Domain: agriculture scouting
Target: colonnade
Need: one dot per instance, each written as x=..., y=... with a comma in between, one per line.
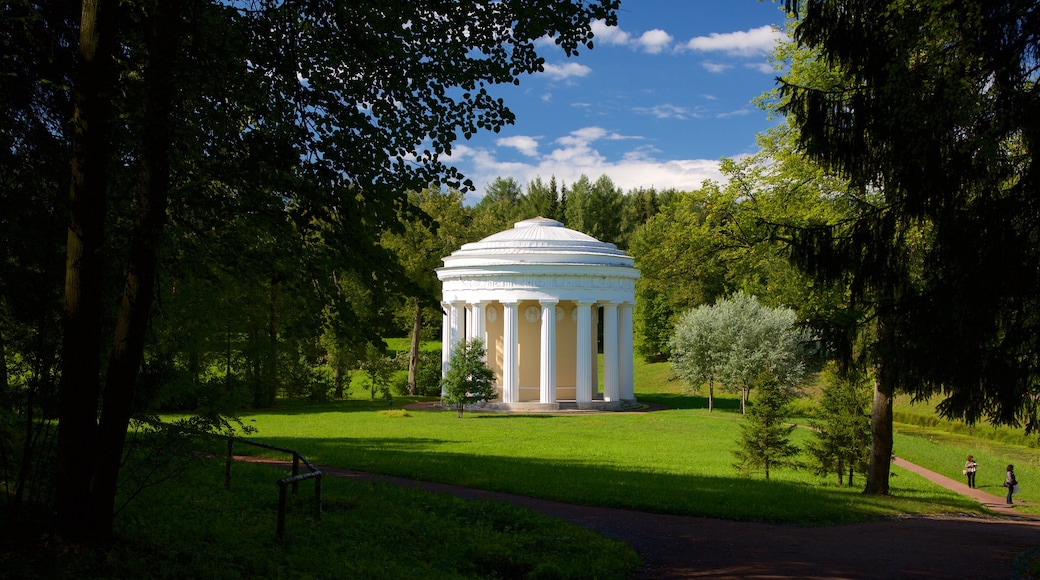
x=467, y=320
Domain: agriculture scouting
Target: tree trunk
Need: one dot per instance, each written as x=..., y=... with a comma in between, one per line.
x=271, y=364
x=139, y=289
x=228, y=386
x=338, y=393
x=4, y=381
x=881, y=422
x=413, y=355
x=711, y=393
x=84, y=266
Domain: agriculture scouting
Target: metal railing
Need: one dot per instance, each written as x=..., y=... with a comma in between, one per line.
x=284, y=483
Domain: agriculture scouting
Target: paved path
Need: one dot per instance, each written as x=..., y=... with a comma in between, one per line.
x=997, y=504
x=675, y=547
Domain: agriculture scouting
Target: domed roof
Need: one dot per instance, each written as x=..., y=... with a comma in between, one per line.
x=538, y=241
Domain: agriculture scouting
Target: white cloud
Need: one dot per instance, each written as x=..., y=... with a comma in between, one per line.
x=756, y=41
x=654, y=41
x=666, y=111
x=566, y=70
x=714, y=67
x=762, y=67
x=737, y=113
x=609, y=34
x=522, y=143
x=575, y=155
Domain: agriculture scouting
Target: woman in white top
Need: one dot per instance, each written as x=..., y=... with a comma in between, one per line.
x=969, y=469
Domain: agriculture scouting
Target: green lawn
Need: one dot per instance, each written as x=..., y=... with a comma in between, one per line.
x=675, y=461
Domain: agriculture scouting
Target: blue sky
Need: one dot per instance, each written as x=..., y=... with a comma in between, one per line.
x=658, y=101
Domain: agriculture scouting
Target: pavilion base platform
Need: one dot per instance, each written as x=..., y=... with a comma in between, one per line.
x=557, y=407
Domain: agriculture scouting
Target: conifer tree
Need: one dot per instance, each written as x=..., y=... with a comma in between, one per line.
x=765, y=437
x=468, y=380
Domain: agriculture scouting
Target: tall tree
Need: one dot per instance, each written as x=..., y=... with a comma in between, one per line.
x=595, y=208
x=682, y=260
x=312, y=115
x=500, y=207
x=934, y=119
x=435, y=224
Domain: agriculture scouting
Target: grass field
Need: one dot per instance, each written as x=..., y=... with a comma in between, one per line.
x=675, y=461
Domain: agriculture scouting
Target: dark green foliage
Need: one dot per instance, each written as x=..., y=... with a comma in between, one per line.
x=595, y=209
x=380, y=370
x=468, y=380
x=936, y=121
x=841, y=445
x=428, y=374
x=765, y=436
x=233, y=167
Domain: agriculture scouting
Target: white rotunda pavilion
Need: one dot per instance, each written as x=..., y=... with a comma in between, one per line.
x=536, y=295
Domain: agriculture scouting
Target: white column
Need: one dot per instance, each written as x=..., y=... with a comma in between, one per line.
x=458, y=322
x=584, y=354
x=445, y=340
x=547, y=368
x=478, y=327
x=626, y=376
x=611, y=390
x=510, y=371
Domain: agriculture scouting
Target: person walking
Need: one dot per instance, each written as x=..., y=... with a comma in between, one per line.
x=1010, y=482
x=969, y=469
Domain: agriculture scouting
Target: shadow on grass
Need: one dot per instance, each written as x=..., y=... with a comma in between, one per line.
x=581, y=482
x=305, y=407
x=477, y=415
x=678, y=401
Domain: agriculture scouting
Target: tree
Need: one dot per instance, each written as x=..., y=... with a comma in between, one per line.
x=764, y=437
x=434, y=224
x=737, y=340
x=308, y=116
x=499, y=209
x=842, y=430
x=638, y=207
x=541, y=199
x=678, y=255
x=929, y=111
x=380, y=370
x=595, y=208
x=469, y=380
x=698, y=348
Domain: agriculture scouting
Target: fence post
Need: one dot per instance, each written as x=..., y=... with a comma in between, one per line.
x=227, y=464
x=295, y=470
x=280, y=528
x=318, y=493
